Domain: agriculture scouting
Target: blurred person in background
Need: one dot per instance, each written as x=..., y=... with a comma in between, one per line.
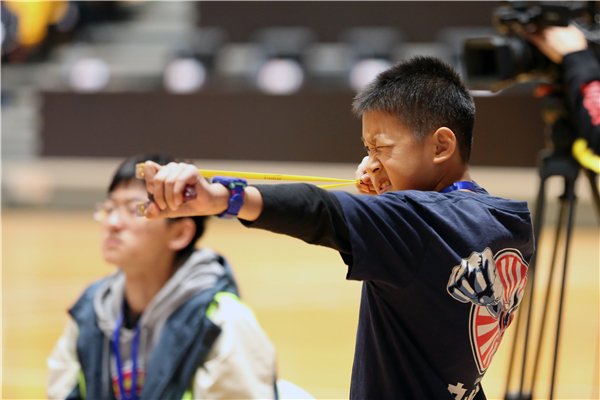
x=581, y=75
x=168, y=322
x=31, y=29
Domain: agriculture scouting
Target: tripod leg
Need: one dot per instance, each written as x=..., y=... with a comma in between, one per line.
x=526, y=304
x=559, y=225
x=521, y=319
x=571, y=200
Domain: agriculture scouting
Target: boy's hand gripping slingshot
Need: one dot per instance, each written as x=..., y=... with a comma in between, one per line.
x=190, y=193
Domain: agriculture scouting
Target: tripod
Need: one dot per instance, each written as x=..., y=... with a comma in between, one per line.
x=552, y=164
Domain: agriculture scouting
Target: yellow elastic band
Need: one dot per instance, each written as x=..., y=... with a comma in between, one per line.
x=584, y=155
x=337, y=185
x=208, y=173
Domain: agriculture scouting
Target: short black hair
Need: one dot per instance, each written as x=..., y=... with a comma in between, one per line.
x=126, y=174
x=425, y=94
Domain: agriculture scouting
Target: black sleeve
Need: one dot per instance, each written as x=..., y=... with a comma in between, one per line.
x=581, y=74
x=305, y=212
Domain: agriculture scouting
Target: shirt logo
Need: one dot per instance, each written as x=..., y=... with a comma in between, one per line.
x=494, y=285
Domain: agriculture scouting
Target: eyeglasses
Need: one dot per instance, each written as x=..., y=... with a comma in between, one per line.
x=127, y=211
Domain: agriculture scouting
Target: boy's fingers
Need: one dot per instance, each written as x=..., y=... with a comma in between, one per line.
x=159, y=187
x=167, y=185
x=150, y=170
x=365, y=185
x=361, y=169
x=152, y=211
x=175, y=196
x=365, y=189
x=362, y=187
x=358, y=173
x=170, y=181
x=189, y=176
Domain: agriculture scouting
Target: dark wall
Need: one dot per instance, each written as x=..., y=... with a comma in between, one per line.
x=420, y=20
x=252, y=126
x=308, y=126
x=247, y=126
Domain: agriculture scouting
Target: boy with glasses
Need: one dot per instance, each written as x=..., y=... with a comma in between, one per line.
x=168, y=323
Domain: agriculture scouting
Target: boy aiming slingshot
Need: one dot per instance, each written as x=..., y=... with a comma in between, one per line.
x=443, y=263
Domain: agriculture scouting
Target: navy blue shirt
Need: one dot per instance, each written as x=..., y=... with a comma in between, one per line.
x=442, y=276
x=416, y=340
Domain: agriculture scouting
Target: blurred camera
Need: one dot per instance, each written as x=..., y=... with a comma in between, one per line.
x=498, y=61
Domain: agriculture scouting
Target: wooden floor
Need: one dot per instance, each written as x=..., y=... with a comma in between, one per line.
x=297, y=291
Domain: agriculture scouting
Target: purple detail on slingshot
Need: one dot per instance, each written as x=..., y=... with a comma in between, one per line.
x=189, y=194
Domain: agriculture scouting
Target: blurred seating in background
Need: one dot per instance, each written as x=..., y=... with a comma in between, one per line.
x=138, y=46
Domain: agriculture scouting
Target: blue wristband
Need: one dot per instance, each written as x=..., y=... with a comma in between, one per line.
x=236, y=188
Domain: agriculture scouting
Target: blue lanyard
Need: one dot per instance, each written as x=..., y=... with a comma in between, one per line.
x=459, y=185
x=134, y=353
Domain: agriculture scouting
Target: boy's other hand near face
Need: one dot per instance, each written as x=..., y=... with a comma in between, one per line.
x=365, y=185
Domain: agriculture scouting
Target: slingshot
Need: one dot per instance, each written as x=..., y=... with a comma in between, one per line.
x=190, y=192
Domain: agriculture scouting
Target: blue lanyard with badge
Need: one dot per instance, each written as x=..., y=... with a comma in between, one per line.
x=134, y=353
x=458, y=186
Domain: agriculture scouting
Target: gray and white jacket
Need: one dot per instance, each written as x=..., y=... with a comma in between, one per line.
x=235, y=359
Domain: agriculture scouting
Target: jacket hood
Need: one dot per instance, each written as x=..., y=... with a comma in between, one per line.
x=200, y=271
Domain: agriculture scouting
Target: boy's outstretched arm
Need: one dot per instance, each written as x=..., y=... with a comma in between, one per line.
x=305, y=212
x=302, y=211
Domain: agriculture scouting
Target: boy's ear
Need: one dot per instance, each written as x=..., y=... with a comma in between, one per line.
x=182, y=233
x=445, y=144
